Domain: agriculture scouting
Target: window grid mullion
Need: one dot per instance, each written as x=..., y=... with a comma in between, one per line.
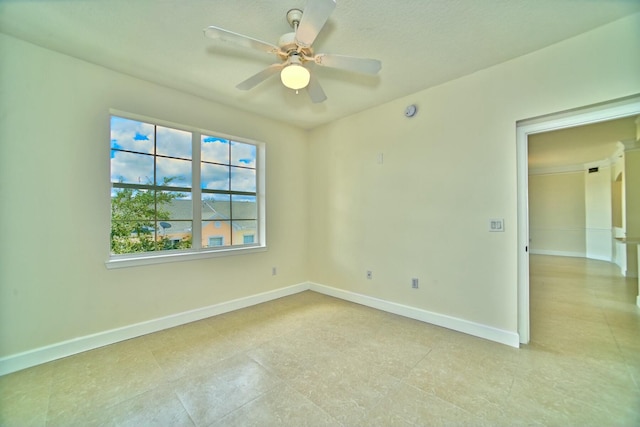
x=225, y=164
x=196, y=190
x=155, y=185
x=196, y=195
x=230, y=199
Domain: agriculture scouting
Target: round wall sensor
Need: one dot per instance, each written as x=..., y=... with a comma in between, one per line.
x=411, y=111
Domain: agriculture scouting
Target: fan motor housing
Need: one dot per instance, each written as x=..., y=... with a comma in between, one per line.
x=288, y=44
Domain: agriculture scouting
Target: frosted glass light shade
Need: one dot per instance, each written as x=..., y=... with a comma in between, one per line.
x=295, y=76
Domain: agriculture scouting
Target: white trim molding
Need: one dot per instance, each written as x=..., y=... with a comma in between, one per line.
x=461, y=325
x=27, y=359
x=576, y=168
x=558, y=253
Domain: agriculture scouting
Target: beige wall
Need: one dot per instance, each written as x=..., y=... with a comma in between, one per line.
x=446, y=172
x=570, y=214
x=423, y=213
x=632, y=206
x=557, y=214
x=54, y=186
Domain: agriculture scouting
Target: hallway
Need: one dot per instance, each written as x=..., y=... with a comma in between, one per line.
x=584, y=311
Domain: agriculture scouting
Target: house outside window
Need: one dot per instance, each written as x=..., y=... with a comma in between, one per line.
x=182, y=191
x=216, y=241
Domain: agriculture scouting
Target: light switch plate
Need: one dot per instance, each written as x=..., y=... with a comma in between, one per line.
x=496, y=224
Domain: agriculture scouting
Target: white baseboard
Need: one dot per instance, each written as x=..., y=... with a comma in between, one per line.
x=476, y=329
x=27, y=359
x=599, y=257
x=558, y=253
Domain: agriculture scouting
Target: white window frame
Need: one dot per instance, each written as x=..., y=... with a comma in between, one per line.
x=196, y=252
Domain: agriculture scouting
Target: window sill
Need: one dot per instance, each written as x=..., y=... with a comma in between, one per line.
x=150, y=259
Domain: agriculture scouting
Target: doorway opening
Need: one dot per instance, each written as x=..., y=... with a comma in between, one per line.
x=593, y=114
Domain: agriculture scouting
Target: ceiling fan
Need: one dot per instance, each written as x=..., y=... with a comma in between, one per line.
x=295, y=51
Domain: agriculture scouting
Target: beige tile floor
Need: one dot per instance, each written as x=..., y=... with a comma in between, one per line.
x=314, y=360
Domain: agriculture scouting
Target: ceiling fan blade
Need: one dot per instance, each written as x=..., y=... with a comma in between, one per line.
x=263, y=75
x=315, y=91
x=350, y=63
x=314, y=17
x=239, y=39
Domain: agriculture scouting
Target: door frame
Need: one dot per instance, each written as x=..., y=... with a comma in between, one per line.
x=610, y=110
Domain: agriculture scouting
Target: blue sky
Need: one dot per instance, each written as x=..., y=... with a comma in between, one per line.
x=132, y=135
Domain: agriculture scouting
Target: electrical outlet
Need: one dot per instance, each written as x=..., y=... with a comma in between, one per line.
x=414, y=283
x=369, y=274
x=274, y=271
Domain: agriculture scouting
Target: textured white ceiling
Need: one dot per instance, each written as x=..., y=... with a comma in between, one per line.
x=421, y=43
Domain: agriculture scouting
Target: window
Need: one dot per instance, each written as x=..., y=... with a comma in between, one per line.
x=178, y=191
x=216, y=241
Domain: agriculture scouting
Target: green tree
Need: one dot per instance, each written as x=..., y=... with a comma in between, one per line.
x=135, y=214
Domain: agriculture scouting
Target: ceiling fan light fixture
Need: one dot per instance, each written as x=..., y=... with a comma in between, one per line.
x=294, y=50
x=295, y=76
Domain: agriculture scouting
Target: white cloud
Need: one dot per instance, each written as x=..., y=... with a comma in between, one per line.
x=243, y=179
x=215, y=177
x=132, y=168
x=214, y=150
x=173, y=142
x=243, y=154
x=180, y=170
x=132, y=135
